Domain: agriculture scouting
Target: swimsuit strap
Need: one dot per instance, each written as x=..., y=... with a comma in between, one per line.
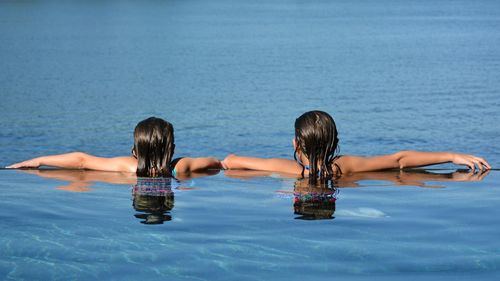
x=173, y=171
x=309, y=168
x=337, y=165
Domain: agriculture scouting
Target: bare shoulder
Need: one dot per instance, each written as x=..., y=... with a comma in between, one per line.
x=286, y=166
x=182, y=165
x=345, y=163
x=125, y=163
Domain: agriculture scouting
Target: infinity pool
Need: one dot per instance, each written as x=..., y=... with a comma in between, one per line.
x=232, y=76
x=77, y=225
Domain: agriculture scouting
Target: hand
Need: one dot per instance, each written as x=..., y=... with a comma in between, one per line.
x=32, y=163
x=470, y=161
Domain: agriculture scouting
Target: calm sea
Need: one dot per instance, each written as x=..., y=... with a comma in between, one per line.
x=232, y=76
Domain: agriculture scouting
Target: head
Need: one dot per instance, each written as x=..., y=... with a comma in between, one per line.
x=153, y=147
x=316, y=140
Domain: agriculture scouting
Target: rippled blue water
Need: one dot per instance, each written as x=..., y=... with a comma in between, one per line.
x=232, y=76
x=231, y=229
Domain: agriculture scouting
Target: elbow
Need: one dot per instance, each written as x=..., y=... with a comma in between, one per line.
x=80, y=160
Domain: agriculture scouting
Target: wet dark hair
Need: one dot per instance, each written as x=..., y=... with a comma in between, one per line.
x=153, y=147
x=316, y=137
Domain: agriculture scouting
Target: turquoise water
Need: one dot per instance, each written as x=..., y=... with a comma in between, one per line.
x=232, y=76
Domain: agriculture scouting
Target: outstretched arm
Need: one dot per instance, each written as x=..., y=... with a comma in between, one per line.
x=188, y=165
x=80, y=160
x=262, y=164
x=409, y=159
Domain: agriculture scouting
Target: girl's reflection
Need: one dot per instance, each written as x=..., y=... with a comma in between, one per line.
x=314, y=202
x=153, y=198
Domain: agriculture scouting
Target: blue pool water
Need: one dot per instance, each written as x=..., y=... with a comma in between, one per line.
x=223, y=228
x=232, y=76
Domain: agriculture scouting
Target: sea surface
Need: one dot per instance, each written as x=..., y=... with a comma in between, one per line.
x=232, y=76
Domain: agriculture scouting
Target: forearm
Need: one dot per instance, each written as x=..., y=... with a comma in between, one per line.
x=73, y=160
x=415, y=159
x=262, y=164
x=245, y=162
x=409, y=159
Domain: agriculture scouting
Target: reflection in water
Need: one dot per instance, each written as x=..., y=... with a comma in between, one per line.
x=153, y=198
x=314, y=202
x=319, y=202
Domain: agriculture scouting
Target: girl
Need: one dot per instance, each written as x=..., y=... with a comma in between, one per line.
x=151, y=155
x=315, y=144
